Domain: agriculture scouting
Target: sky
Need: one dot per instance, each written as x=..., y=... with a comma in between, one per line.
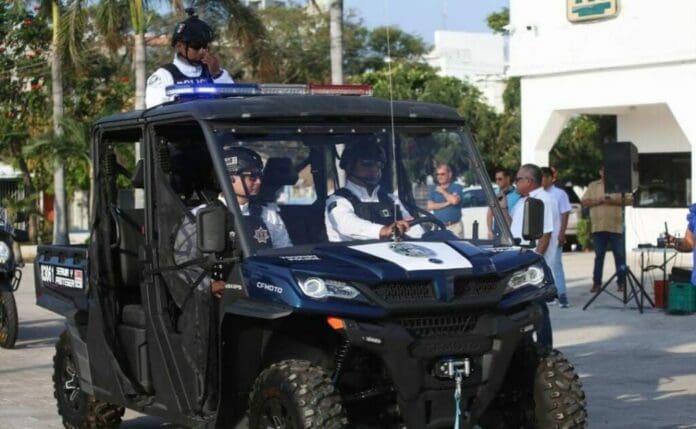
x=423, y=17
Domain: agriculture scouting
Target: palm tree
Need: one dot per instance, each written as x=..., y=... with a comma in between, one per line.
x=60, y=222
x=336, y=36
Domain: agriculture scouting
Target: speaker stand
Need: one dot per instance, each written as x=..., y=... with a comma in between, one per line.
x=630, y=278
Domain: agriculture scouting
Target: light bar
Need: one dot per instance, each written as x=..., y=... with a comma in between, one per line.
x=208, y=90
x=212, y=90
x=322, y=89
x=283, y=89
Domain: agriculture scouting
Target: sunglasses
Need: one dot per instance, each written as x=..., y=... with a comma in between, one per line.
x=441, y=174
x=370, y=163
x=517, y=179
x=252, y=176
x=197, y=45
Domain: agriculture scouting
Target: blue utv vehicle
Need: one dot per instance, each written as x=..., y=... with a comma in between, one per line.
x=435, y=331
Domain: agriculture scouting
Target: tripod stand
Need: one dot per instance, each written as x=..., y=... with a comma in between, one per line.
x=632, y=281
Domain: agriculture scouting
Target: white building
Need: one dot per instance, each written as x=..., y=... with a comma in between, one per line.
x=262, y=4
x=478, y=58
x=638, y=63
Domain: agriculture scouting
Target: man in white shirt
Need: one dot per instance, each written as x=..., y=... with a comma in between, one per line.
x=192, y=63
x=361, y=210
x=564, y=208
x=528, y=182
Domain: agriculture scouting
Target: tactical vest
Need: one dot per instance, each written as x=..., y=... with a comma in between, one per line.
x=260, y=235
x=180, y=78
x=381, y=212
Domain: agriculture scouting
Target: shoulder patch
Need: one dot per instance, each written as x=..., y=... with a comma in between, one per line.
x=154, y=80
x=332, y=205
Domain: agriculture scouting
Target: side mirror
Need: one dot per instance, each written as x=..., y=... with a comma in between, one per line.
x=212, y=229
x=533, y=223
x=20, y=236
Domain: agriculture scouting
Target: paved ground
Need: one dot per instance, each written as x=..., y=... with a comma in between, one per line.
x=639, y=371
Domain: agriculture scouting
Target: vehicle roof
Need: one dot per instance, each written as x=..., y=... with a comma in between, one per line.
x=292, y=106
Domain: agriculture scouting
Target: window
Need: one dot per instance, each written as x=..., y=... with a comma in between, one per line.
x=664, y=180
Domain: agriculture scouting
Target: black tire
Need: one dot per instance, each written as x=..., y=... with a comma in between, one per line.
x=78, y=409
x=295, y=394
x=541, y=391
x=558, y=394
x=8, y=320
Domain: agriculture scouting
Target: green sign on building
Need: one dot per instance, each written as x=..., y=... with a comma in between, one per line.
x=587, y=10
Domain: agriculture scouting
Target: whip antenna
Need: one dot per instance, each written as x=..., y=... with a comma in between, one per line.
x=391, y=109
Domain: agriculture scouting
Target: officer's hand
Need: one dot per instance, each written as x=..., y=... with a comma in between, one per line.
x=212, y=63
x=216, y=288
x=401, y=227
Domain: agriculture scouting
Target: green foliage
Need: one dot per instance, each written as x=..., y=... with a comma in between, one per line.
x=584, y=233
x=578, y=150
x=402, y=47
x=497, y=20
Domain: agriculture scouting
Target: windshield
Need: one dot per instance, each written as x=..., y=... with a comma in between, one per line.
x=320, y=184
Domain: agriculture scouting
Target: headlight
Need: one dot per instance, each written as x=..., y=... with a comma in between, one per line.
x=4, y=252
x=318, y=288
x=531, y=276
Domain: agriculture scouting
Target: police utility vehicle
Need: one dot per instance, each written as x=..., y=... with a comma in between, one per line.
x=414, y=331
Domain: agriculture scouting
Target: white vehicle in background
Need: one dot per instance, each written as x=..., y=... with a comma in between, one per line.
x=474, y=206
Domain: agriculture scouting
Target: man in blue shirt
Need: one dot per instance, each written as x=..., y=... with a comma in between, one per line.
x=444, y=200
x=507, y=198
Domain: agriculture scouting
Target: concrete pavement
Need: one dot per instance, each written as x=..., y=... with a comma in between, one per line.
x=639, y=371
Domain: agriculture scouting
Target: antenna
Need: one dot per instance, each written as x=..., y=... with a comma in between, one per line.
x=391, y=111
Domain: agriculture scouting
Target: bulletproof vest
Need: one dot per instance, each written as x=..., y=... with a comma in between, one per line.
x=260, y=235
x=180, y=78
x=381, y=212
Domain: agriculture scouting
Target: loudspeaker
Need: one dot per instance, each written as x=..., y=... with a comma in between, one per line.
x=620, y=167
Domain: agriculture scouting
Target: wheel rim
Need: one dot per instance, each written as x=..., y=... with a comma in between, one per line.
x=71, y=385
x=276, y=415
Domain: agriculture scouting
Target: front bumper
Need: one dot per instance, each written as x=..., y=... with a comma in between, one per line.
x=411, y=346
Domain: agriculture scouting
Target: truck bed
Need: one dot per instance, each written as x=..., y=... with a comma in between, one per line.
x=60, y=274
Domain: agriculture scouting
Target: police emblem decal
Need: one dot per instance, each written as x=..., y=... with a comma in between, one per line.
x=261, y=235
x=385, y=213
x=412, y=250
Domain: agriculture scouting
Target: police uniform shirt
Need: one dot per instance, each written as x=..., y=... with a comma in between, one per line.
x=342, y=224
x=158, y=82
x=552, y=221
x=276, y=227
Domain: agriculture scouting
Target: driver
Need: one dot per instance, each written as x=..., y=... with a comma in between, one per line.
x=362, y=210
x=193, y=62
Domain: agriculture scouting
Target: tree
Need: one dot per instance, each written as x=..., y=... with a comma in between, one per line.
x=392, y=42
x=336, y=31
x=498, y=20
x=60, y=224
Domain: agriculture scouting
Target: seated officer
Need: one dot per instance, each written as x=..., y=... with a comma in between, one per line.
x=263, y=220
x=361, y=210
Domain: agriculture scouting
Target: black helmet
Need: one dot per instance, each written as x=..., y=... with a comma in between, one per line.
x=193, y=31
x=371, y=151
x=242, y=160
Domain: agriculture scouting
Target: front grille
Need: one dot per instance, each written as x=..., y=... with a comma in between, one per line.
x=438, y=326
x=405, y=292
x=466, y=287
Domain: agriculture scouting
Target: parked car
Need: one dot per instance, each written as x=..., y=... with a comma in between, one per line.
x=575, y=216
x=474, y=206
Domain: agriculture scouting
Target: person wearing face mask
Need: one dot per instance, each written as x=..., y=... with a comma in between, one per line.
x=193, y=63
x=361, y=210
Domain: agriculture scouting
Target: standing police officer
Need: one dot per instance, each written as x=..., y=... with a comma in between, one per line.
x=361, y=210
x=193, y=63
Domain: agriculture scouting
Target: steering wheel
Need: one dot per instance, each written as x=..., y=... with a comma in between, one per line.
x=427, y=218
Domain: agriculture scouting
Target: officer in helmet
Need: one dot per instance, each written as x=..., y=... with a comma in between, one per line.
x=193, y=62
x=262, y=220
x=362, y=210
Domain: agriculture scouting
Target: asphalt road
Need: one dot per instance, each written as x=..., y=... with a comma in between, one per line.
x=639, y=371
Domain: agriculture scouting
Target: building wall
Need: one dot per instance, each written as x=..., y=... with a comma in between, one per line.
x=478, y=58
x=543, y=41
